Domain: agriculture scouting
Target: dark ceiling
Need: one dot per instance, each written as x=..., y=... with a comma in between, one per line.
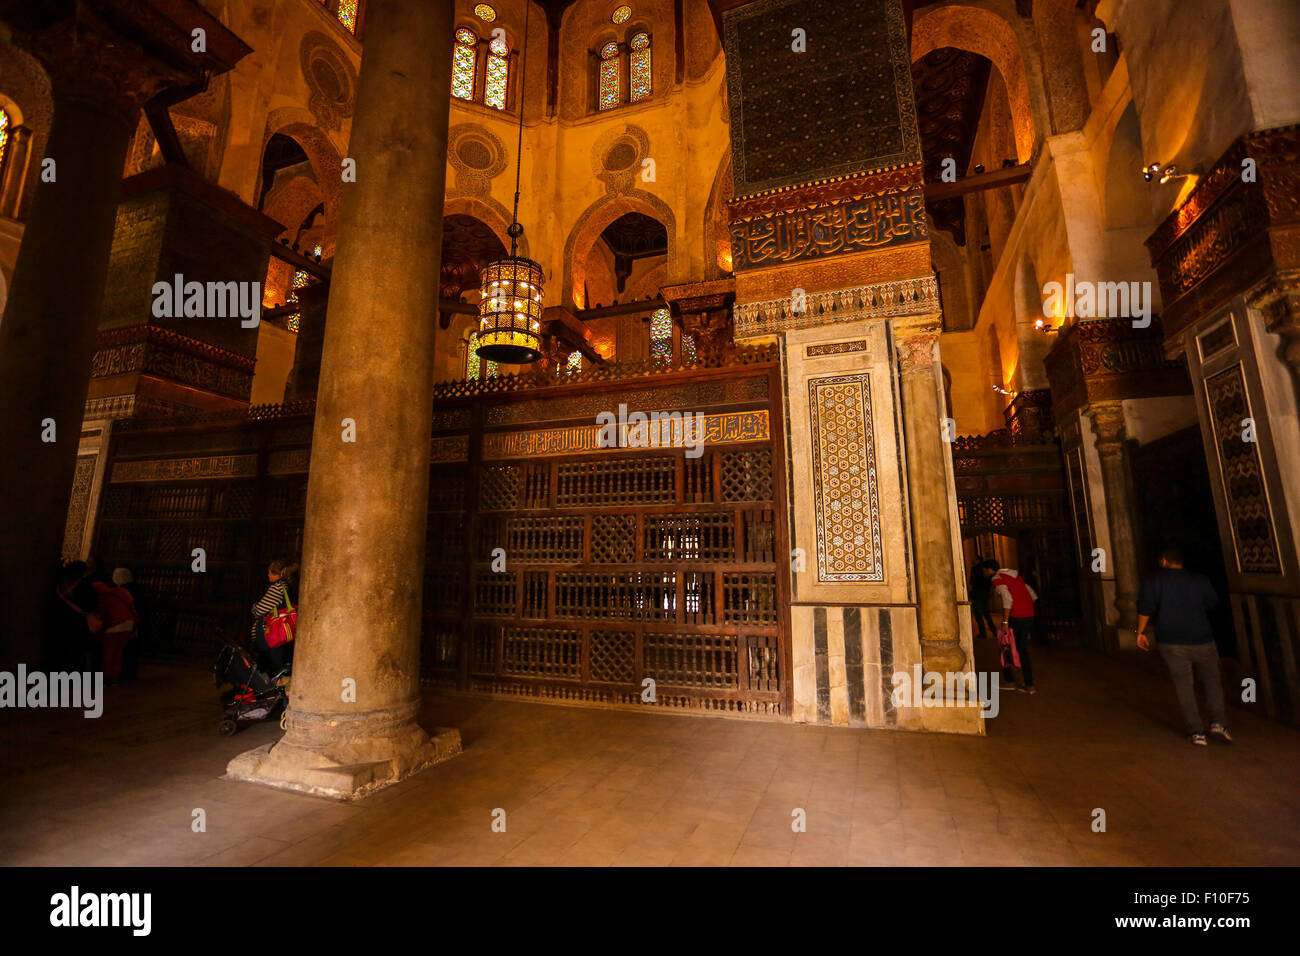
x=635, y=236
x=950, y=86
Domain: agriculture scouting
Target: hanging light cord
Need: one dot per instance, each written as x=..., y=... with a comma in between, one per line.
x=515, y=230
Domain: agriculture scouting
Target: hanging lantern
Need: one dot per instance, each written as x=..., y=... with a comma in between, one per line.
x=510, y=312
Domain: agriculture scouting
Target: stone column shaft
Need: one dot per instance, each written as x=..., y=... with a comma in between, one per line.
x=367, y=500
x=47, y=340
x=1108, y=424
x=928, y=483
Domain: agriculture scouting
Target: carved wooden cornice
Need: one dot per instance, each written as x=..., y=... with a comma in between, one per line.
x=1108, y=359
x=175, y=341
x=1229, y=234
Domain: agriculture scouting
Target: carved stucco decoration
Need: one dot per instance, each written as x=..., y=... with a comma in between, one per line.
x=476, y=157
x=331, y=78
x=617, y=155
x=919, y=296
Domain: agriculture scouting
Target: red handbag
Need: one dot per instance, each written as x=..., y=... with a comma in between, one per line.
x=282, y=625
x=1007, y=644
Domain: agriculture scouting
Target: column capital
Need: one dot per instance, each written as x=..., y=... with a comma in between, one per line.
x=1278, y=299
x=1108, y=425
x=916, y=338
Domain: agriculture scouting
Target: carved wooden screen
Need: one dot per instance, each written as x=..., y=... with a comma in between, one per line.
x=618, y=564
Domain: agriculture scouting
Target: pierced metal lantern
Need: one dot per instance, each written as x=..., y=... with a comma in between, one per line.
x=510, y=312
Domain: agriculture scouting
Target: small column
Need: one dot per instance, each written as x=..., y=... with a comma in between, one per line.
x=304, y=377
x=1108, y=425
x=15, y=176
x=352, y=719
x=919, y=371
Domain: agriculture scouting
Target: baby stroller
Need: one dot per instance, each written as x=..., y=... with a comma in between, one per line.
x=252, y=696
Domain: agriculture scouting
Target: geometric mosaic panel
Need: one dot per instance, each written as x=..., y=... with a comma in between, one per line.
x=1249, y=515
x=847, y=508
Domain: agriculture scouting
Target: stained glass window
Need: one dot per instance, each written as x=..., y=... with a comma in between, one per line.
x=464, y=62
x=498, y=72
x=300, y=279
x=347, y=14
x=661, y=337
x=473, y=363
x=689, y=355
x=485, y=13
x=4, y=136
x=621, y=14
x=640, y=66
x=609, y=76
x=574, y=363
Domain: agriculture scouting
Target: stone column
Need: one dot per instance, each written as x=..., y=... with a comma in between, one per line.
x=918, y=343
x=47, y=334
x=15, y=175
x=304, y=377
x=351, y=723
x=1108, y=425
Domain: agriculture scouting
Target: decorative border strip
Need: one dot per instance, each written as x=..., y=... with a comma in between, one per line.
x=172, y=469
x=917, y=296
x=836, y=348
x=727, y=428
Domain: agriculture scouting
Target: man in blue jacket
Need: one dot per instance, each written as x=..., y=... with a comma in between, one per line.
x=1179, y=601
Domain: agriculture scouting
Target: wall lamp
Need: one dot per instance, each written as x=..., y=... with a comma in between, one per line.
x=1162, y=174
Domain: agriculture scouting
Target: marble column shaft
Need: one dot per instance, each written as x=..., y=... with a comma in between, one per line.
x=367, y=500
x=928, y=484
x=1108, y=424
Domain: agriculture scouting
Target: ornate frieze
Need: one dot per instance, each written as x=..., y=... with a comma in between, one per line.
x=919, y=296
x=166, y=354
x=855, y=224
x=1233, y=229
x=726, y=428
x=845, y=496
x=173, y=469
x=697, y=395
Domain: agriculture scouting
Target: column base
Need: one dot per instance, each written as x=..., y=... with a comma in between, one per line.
x=344, y=757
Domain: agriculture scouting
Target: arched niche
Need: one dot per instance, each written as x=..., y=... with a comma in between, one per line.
x=587, y=230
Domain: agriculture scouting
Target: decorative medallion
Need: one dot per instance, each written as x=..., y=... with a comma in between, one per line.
x=331, y=78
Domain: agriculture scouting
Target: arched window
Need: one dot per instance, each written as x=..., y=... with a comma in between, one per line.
x=481, y=79
x=689, y=354
x=574, y=363
x=661, y=337
x=464, y=64
x=498, y=72
x=475, y=367
x=609, y=76
x=639, y=84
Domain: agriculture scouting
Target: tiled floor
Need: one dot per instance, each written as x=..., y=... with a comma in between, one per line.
x=599, y=787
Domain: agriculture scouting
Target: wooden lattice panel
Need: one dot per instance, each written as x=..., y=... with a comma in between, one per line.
x=496, y=593
x=747, y=475
x=621, y=481
x=613, y=657
x=698, y=536
x=692, y=660
x=541, y=652
x=749, y=598
x=613, y=539
x=498, y=487
x=625, y=596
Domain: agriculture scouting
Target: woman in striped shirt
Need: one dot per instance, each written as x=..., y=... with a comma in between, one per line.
x=278, y=595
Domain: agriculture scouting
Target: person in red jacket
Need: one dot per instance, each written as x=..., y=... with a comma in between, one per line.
x=1017, y=599
x=116, y=608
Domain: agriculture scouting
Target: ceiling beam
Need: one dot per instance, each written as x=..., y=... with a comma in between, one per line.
x=936, y=192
